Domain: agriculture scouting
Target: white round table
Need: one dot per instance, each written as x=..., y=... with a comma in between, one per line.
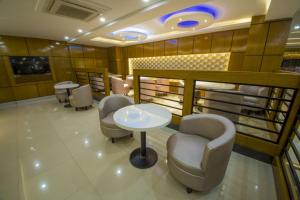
x=67, y=87
x=142, y=117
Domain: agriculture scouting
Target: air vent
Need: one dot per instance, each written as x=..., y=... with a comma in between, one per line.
x=77, y=9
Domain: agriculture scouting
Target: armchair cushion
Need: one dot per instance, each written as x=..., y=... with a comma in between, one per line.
x=187, y=151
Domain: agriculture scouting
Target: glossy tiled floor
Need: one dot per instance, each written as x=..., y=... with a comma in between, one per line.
x=50, y=152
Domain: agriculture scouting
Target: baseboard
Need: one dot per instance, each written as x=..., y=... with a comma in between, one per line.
x=26, y=102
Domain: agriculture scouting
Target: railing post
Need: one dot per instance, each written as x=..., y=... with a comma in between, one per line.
x=106, y=82
x=136, y=87
x=188, y=97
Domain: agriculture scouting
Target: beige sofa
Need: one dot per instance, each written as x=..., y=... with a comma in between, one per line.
x=198, y=156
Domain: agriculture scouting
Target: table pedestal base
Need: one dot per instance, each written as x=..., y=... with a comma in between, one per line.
x=143, y=157
x=143, y=162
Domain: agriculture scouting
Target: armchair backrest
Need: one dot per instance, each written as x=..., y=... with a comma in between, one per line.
x=113, y=103
x=118, y=86
x=83, y=95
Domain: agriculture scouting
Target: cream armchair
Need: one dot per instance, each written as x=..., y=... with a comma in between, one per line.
x=198, y=156
x=81, y=97
x=107, y=107
x=119, y=86
x=61, y=94
x=258, y=103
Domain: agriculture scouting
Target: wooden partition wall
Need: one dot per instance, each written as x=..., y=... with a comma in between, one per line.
x=63, y=59
x=262, y=79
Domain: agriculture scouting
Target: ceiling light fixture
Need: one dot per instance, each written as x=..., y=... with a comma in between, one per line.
x=297, y=27
x=205, y=21
x=146, y=1
x=66, y=38
x=80, y=31
x=102, y=19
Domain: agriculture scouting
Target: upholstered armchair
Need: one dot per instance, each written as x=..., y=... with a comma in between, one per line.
x=119, y=86
x=107, y=107
x=162, y=86
x=233, y=105
x=61, y=94
x=81, y=97
x=199, y=154
x=258, y=103
x=148, y=87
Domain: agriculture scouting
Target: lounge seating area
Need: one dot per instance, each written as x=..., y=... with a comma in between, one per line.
x=149, y=100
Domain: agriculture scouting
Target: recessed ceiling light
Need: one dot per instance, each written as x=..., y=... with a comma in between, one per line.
x=102, y=19
x=146, y=1
x=80, y=30
x=66, y=38
x=172, y=27
x=180, y=19
x=296, y=27
x=205, y=21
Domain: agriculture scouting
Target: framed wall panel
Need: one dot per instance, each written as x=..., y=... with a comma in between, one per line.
x=78, y=62
x=63, y=69
x=277, y=37
x=257, y=38
x=239, y=40
x=45, y=89
x=38, y=47
x=89, y=63
x=236, y=62
x=89, y=52
x=159, y=48
x=13, y=46
x=202, y=43
x=185, y=45
x=25, y=92
x=131, y=51
x=252, y=63
x=60, y=49
x=271, y=63
x=4, y=78
x=6, y=94
x=149, y=49
x=171, y=47
x=101, y=53
x=221, y=41
x=139, y=50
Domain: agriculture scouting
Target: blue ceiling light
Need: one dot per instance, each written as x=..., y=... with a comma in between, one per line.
x=188, y=24
x=198, y=8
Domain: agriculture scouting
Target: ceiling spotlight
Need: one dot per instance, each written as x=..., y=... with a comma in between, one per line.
x=205, y=21
x=146, y=1
x=80, y=30
x=66, y=38
x=172, y=27
x=194, y=29
x=180, y=19
x=102, y=19
x=297, y=27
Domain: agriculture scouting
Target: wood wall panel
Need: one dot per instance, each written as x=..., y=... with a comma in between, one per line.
x=185, y=45
x=171, y=47
x=76, y=51
x=202, y=43
x=159, y=48
x=115, y=67
x=4, y=78
x=149, y=49
x=252, y=63
x=25, y=92
x=239, y=40
x=131, y=52
x=139, y=50
x=101, y=53
x=63, y=69
x=45, y=89
x=221, y=41
x=277, y=37
x=271, y=63
x=6, y=94
x=89, y=63
x=89, y=52
x=78, y=63
x=38, y=47
x=60, y=49
x=257, y=38
x=236, y=61
x=13, y=46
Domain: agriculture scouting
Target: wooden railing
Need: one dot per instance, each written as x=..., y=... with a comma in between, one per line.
x=275, y=117
x=97, y=78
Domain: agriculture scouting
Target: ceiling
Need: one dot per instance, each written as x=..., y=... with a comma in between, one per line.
x=26, y=18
